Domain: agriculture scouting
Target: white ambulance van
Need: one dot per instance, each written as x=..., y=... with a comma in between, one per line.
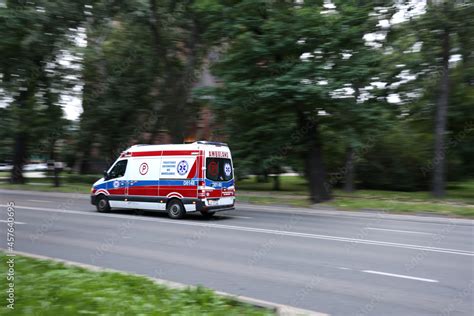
x=179, y=179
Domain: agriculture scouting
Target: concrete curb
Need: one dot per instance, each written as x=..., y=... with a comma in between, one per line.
x=279, y=309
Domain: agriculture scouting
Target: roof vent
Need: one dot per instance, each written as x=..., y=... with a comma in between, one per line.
x=205, y=142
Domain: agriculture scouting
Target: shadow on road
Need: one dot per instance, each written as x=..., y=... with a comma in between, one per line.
x=162, y=214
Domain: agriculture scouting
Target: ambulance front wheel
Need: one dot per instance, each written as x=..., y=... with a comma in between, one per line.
x=176, y=209
x=103, y=205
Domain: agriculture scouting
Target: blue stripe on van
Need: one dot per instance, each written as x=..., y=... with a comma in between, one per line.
x=184, y=182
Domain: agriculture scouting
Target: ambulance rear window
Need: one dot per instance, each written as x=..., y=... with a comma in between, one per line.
x=219, y=169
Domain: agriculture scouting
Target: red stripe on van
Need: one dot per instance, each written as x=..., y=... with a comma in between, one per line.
x=167, y=153
x=180, y=152
x=119, y=191
x=192, y=173
x=149, y=190
x=185, y=191
x=199, y=166
x=146, y=153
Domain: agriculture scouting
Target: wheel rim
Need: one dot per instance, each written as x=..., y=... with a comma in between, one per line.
x=102, y=204
x=175, y=210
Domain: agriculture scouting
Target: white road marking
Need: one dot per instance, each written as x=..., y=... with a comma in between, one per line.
x=40, y=201
x=344, y=268
x=16, y=223
x=398, y=231
x=401, y=276
x=259, y=230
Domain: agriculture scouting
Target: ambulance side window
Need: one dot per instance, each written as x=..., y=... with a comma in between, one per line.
x=118, y=170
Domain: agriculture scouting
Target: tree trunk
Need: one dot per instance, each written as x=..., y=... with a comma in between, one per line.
x=56, y=176
x=439, y=158
x=52, y=157
x=263, y=177
x=174, y=89
x=21, y=138
x=317, y=175
x=83, y=161
x=276, y=183
x=349, y=174
x=319, y=189
x=160, y=49
x=19, y=157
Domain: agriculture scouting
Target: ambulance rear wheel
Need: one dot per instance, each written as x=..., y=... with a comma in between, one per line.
x=176, y=209
x=206, y=214
x=103, y=205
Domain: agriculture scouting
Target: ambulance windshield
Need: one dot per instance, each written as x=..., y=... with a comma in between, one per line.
x=219, y=169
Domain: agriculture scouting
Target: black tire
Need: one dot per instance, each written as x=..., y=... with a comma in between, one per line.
x=103, y=205
x=206, y=214
x=176, y=209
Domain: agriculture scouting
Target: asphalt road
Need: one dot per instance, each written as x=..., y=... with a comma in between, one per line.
x=340, y=263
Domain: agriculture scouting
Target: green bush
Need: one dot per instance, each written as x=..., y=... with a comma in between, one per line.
x=399, y=159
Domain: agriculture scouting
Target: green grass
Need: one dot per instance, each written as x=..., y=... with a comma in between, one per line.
x=68, y=183
x=66, y=188
x=352, y=203
x=456, y=191
x=66, y=178
x=296, y=185
x=269, y=200
x=459, y=200
x=394, y=206
x=44, y=287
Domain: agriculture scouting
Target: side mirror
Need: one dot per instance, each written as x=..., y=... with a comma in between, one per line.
x=106, y=175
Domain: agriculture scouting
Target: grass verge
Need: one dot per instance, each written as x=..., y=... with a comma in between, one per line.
x=459, y=200
x=44, y=187
x=44, y=287
x=395, y=206
x=360, y=204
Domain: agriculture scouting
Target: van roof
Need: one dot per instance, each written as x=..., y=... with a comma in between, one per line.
x=189, y=146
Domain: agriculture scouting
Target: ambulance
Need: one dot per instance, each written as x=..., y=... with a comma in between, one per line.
x=178, y=179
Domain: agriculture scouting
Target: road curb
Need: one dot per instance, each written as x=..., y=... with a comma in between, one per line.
x=279, y=309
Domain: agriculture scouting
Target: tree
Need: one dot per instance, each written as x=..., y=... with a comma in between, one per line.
x=355, y=64
x=33, y=33
x=435, y=36
x=139, y=67
x=287, y=59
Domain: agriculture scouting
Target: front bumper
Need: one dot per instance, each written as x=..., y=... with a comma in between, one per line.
x=94, y=199
x=201, y=206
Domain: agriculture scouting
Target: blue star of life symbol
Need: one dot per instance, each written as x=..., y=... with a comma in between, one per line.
x=182, y=167
x=227, y=169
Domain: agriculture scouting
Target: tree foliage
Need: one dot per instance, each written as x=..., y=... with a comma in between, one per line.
x=34, y=34
x=302, y=84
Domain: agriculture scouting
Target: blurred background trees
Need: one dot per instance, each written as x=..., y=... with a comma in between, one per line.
x=437, y=49
x=34, y=36
x=359, y=94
